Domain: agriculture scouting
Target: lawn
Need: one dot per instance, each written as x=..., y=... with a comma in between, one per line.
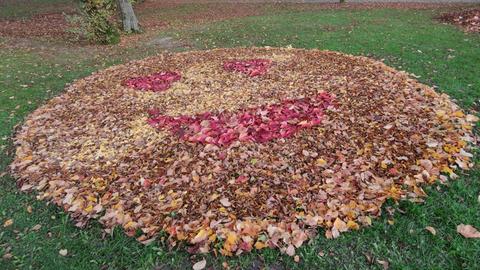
x=439, y=55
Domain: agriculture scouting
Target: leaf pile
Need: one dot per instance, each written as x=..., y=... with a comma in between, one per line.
x=93, y=152
x=467, y=19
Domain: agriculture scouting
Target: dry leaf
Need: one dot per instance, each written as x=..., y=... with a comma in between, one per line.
x=222, y=133
x=7, y=223
x=431, y=230
x=63, y=252
x=225, y=202
x=468, y=231
x=296, y=258
x=200, y=265
x=384, y=264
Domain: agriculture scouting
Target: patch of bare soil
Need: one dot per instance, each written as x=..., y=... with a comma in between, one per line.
x=469, y=20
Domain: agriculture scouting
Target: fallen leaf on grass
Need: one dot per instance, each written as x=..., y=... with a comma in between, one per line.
x=63, y=252
x=8, y=223
x=7, y=256
x=200, y=265
x=384, y=264
x=431, y=230
x=468, y=231
x=36, y=227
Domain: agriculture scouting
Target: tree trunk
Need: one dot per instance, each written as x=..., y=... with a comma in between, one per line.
x=130, y=22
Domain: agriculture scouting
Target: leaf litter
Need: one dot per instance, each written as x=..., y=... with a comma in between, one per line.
x=94, y=151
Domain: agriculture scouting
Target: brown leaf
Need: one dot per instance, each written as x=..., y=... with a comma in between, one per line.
x=290, y=250
x=431, y=230
x=225, y=202
x=200, y=265
x=468, y=231
x=296, y=258
x=8, y=223
x=384, y=264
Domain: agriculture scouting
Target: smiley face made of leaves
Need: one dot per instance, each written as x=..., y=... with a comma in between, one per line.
x=247, y=147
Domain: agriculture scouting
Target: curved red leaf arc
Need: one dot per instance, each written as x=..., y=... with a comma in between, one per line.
x=155, y=82
x=260, y=124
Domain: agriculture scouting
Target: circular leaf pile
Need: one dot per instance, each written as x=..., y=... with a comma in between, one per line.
x=237, y=150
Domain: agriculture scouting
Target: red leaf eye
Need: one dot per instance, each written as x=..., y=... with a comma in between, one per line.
x=156, y=82
x=252, y=68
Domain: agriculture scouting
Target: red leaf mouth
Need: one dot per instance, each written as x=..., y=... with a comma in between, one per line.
x=260, y=124
x=252, y=68
x=156, y=82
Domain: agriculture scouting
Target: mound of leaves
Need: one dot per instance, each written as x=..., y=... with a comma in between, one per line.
x=226, y=160
x=468, y=19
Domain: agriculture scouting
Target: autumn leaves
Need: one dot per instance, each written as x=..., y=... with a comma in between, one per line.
x=241, y=155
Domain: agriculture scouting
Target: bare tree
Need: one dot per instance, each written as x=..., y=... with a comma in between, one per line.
x=130, y=22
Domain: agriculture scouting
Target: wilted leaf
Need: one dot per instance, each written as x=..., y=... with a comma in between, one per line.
x=36, y=227
x=7, y=223
x=225, y=202
x=63, y=252
x=431, y=230
x=385, y=264
x=200, y=265
x=468, y=231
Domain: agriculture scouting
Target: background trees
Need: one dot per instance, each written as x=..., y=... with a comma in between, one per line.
x=101, y=17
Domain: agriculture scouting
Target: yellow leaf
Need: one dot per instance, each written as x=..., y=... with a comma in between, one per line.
x=384, y=165
x=200, y=237
x=446, y=169
x=353, y=225
x=321, y=162
x=231, y=238
x=89, y=208
x=260, y=245
x=340, y=225
x=458, y=114
x=130, y=225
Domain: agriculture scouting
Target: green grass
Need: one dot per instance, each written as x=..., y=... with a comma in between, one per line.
x=409, y=40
